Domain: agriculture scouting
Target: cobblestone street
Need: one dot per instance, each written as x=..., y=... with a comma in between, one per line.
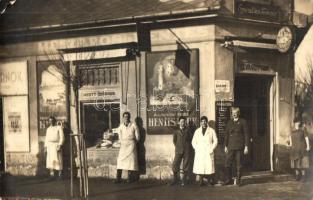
x=43, y=188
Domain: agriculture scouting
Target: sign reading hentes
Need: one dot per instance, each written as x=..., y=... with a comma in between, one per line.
x=172, y=83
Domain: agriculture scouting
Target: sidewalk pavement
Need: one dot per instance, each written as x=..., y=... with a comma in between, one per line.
x=13, y=187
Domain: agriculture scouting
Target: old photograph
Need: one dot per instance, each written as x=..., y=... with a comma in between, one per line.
x=156, y=99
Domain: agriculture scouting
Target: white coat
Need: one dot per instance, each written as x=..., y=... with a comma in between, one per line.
x=53, y=142
x=127, y=157
x=204, y=146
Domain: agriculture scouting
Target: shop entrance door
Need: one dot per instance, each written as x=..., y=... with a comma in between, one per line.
x=96, y=119
x=252, y=96
x=1, y=137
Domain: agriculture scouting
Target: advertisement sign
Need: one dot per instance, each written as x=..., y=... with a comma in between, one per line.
x=13, y=78
x=222, y=112
x=172, y=89
x=257, y=11
x=222, y=86
x=52, y=79
x=16, y=123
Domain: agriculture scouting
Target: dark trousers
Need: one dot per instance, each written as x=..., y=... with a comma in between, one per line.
x=231, y=157
x=186, y=158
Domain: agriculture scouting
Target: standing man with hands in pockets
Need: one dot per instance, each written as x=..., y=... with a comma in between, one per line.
x=236, y=144
x=183, y=151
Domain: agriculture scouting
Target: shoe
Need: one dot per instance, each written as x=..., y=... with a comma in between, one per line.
x=174, y=182
x=228, y=182
x=212, y=183
x=237, y=182
x=202, y=184
x=298, y=177
x=130, y=181
x=182, y=184
x=117, y=181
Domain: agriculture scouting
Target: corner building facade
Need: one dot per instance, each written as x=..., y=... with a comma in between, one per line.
x=185, y=61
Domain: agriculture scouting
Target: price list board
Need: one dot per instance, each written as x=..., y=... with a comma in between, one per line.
x=222, y=112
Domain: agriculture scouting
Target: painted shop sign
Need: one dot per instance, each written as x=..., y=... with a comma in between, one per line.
x=99, y=94
x=222, y=112
x=253, y=68
x=13, y=78
x=172, y=89
x=250, y=10
x=52, y=92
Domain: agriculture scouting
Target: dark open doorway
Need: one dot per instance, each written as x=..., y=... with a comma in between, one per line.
x=2, y=164
x=252, y=95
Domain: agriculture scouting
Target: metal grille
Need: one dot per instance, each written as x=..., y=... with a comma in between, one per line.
x=99, y=75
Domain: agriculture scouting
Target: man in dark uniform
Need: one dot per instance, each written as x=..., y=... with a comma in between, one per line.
x=236, y=143
x=183, y=151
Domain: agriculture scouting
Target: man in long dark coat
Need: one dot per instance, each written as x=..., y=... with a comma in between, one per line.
x=236, y=144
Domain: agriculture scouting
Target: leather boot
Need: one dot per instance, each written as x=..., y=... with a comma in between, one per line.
x=183, y=181
x=118, y=176
x=238, y=178
x=211, y=179
x=175, y=178
x=229, y=177
x=201, y=181
x=130, y=177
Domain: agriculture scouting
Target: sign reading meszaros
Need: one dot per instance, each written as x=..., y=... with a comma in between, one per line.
x=13, y=78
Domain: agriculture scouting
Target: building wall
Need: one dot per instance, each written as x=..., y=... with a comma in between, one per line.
x=282, y=63
x=213, y=60
x=33, y=162
x=25, y=163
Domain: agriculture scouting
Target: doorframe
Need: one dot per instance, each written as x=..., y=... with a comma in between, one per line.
x=3, y=135
x=273, y=108
x=274, y=115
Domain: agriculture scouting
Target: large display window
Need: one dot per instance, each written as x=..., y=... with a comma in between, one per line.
x=100, y=125
x=99, y=97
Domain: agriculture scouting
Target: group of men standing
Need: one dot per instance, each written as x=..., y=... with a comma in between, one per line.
x=195, y=147
x=203, y=141
x=191, y=146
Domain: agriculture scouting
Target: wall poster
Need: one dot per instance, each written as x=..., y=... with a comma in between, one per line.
x=13, y=78
x=172, y=89
x=52, y=90
x=16, y=123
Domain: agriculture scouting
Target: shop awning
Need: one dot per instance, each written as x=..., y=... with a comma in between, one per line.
x=249, y=44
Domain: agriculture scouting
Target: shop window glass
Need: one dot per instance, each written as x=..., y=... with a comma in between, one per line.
x=98, y=123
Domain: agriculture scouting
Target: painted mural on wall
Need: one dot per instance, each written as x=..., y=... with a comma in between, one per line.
x=52, y=92
x=172, y=89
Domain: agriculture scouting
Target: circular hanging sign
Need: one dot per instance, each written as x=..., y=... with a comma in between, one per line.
x=284, y=39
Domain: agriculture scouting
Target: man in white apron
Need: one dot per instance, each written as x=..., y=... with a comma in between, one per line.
x=127, y=158
x=53, y=143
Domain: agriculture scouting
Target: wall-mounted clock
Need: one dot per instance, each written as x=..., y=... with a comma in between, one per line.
x=284, y=39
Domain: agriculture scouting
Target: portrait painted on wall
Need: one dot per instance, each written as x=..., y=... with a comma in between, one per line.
x=172, y=89
x=52, y=89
